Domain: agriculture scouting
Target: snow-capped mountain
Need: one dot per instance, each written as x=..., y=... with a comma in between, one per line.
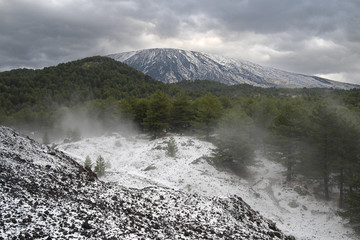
x=174, y=65
x=45, y=194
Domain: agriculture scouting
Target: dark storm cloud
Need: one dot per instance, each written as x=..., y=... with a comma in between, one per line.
x=39, y=33
x=314, y=37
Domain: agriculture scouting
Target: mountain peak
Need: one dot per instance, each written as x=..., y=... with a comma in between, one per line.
x=174, y=65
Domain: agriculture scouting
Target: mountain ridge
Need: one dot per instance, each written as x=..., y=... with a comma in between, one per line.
x=174, y=65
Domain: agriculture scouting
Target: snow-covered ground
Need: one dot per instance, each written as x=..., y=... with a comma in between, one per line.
x=137, y=162
x=45, y=194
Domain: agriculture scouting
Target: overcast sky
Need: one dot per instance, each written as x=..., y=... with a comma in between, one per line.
x=317, y=37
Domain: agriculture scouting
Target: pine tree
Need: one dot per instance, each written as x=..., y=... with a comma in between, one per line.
x=208, y=110
x=352, y=203
x=107, y=164
x=140, y=109
x=288, y=135
x=325, y=135
x=346, y=152
x=157, y=116
x=181, y=114
x=171, y=148
x=100, y=166
x=234, y=147
x=263, y=113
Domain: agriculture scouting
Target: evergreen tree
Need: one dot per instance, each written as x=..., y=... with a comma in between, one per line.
x=325, y=136
x=181, y=114
x=171, y=148
x=348, y=167
x=263, y=112
x=107, y=164
x=208, y=109
x=140, y=109
x=157, y=116
x=234, y=147
x=352, y=204
x=346, y=152
x=100, y=166
x=288, y=135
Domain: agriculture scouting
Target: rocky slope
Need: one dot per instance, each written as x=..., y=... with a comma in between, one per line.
x=174, y=65
x=45, y=194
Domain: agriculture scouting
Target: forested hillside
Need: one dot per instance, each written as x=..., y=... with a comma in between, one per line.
x=33, y=95
x=315, y=133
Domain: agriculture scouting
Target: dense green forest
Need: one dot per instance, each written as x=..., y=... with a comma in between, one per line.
x=33, y=95
x=315, y=133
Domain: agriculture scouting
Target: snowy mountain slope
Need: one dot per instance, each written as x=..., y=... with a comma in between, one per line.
x=138, y=162
x=174, y=65
x=45, y=194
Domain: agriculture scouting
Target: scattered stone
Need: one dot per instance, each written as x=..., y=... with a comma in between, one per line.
x=257, y=195
x=150, y=167
x=301, y=191
x=293, y=204
x=197, y=161
x=86, y=225
x=158, y=147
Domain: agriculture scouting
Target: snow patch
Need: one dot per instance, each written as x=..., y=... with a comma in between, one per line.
x=300, y=215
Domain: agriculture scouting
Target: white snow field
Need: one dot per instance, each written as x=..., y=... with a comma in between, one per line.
x=45, y=194
x=138, y=162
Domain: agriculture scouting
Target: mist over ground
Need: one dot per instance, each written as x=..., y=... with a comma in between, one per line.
x=73, y=124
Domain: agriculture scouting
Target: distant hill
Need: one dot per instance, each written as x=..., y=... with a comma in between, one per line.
x=175, y=65
x=75, y=82
x=97, y=83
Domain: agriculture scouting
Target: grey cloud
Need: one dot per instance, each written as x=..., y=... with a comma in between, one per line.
x=59, y=33
x=281, y=16
x=40, y=33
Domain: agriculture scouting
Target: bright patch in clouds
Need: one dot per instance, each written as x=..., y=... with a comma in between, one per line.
x=341, y=77
x=202, y=41
x=58, y=3
x=320, y=43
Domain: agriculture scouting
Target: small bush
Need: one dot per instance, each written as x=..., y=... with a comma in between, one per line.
x=171, y=148
x=118, y=143
x=100, y=166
